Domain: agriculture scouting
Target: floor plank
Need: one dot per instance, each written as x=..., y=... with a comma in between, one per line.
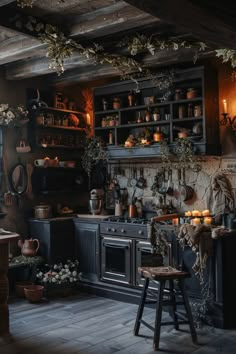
x=87, y=324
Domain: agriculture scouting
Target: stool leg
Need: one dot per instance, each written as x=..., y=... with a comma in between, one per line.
x=141, y=307
x=175, y=317
x=188, y=311
x=157, y=328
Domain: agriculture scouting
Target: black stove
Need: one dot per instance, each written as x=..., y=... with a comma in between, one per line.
x=121, y=219
x=125, y=227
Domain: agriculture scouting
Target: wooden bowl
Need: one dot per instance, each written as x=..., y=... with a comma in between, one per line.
x=19, y=287
x=34, y=293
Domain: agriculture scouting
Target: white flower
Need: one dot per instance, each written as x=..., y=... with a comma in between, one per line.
x=10, y=115
x=74, y=273
x=53, y=280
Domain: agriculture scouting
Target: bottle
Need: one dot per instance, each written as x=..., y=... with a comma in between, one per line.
x=190, y=110
x=158, y=136
x=110, y=138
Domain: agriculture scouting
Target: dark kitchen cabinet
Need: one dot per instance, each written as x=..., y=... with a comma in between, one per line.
x=219, y=272
x=190, y=108
x=87, y=248
x=56, y=237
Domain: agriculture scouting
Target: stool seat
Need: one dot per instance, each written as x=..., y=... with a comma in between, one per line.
x=166, y=273
x=161, y=275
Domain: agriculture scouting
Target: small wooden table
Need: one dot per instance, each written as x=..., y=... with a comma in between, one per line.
x=5, y=239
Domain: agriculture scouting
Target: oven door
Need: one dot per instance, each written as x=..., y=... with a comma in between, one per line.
x=116, y=259
x=145, y=258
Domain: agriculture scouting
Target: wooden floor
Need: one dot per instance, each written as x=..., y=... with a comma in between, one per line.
x=88, y=324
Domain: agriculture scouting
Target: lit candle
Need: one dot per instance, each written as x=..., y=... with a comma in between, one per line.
x=207, y=220
x=225, y=106
x=188, y=213
x=196, y=213
x=206, y=212
x=195, y=221
x=175, y=221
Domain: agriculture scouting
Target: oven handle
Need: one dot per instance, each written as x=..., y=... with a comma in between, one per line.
x=114, y=246
x=144, y=249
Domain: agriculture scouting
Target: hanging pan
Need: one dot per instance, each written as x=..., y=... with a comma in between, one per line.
x=186, y=192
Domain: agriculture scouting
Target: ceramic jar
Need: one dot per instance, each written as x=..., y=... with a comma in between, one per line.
x=178, y=94
x=191, y=93
x=116, y=103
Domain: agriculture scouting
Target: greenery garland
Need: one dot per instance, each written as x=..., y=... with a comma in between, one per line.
x=60, y=47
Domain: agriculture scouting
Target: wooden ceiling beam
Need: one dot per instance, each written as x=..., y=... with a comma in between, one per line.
x=6, y=2
x=80, y=70
x=89, y=28
x=207, y=25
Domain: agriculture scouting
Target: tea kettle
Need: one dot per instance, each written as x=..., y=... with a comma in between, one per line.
x=29, y=247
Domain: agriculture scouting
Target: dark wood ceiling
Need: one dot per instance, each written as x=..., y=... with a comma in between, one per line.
x=104, y=21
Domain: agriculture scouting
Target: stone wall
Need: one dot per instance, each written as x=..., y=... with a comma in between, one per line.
x=199, y=181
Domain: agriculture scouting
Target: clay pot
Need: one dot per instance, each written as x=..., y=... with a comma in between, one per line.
x=34, y=293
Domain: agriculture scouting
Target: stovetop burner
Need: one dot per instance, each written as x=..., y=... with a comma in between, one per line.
x=121, y=219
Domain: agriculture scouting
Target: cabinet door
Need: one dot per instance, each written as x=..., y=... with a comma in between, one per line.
x=87, y=249
x=56, y=239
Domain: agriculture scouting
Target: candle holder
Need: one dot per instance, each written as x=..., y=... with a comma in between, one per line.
x=226, y=119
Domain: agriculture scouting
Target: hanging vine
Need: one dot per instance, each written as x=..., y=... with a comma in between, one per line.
x=61, y=47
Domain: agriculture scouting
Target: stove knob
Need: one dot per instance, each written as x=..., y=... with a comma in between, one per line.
x=108, y=229
x=113, y=229
x=140, y=232
x=122, y=230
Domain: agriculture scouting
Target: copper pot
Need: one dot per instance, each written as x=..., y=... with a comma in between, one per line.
x=132, y=213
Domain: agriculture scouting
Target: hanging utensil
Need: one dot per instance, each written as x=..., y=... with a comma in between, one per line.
x=133, y=181
x=170, y=184
x=7, y=197
x=141, y=183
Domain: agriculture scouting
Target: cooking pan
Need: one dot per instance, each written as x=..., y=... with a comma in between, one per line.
x=185, y=192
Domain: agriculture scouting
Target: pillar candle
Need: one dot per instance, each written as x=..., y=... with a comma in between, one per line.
x=196, y=213
x=196, y=221
x=207, y=220
x=225, y=106
x=188, y=213
x=175, y=221
x=206, y=212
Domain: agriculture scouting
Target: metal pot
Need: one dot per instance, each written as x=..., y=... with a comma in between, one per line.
x=42, y=211
x=95, y=206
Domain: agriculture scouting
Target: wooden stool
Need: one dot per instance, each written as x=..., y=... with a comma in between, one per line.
x=161, y=275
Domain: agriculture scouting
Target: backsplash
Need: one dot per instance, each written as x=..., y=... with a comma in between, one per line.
x=199, y=181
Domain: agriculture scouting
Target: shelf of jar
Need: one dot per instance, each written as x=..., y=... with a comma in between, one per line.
x=61, y=127
x=134, y=124
x=49, y=146
x=153, y=105
x=60, y=110
x=153, y=150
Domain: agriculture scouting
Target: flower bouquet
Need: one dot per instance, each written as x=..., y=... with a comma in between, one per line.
x=59, y=277
x=13, y=115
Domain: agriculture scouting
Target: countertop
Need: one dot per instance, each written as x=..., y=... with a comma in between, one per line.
x=89, y=216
